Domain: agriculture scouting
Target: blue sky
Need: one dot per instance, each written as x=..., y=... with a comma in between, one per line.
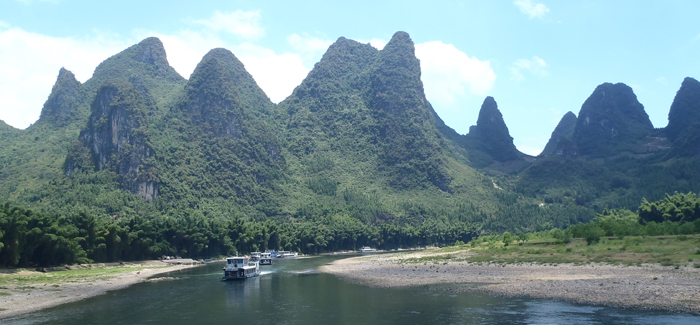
x=537, y=58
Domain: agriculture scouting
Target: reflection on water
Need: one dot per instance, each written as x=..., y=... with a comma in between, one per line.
x=293, y=292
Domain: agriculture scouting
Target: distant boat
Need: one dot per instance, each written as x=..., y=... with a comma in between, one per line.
x=266, y=258
x=367, y=250
x=287, y=254
x=255, y=256
x=240, y=268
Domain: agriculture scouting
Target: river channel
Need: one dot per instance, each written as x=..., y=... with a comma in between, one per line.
x=291, y=291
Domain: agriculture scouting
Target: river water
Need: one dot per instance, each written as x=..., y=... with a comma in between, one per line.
x=291, y=291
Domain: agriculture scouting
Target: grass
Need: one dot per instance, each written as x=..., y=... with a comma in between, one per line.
x=26, y=280
x=663, y=250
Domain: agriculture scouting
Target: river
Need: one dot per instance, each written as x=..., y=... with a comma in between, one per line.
x=292, y=292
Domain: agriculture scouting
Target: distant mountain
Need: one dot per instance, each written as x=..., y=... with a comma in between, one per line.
x=61, y=106
x=564, y=130
x=684, y=119
x=363, y=108
x=490, y=134
x=355, y=146
x=611, y=120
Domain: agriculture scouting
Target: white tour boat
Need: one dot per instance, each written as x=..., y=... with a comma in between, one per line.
x=287, y=254
x=266, y=258
x=367, y=249
x=240, y=268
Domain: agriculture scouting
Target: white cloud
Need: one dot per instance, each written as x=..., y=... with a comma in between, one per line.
x=662, y=80
x=533, y=10
x=449, y=73
x=377, y=43
x=276, y=74
x=536, y=66
x=245, y=24
x=310, y=47
x=308, y=43
x=29, y=65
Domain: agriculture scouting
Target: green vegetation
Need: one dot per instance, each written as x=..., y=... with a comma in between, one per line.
x=616, y=237
x=55, y=279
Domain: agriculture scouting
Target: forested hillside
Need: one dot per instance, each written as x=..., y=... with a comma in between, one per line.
x=138, y=162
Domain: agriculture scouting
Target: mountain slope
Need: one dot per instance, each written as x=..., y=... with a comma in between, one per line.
x=565, y=129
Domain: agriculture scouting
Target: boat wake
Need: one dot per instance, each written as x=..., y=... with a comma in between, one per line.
x=307, y=271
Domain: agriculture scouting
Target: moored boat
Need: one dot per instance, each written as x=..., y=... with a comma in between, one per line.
x=266, y=258
x=240, y=268
x=287, y=254
x=367, y=249
x=255, y=256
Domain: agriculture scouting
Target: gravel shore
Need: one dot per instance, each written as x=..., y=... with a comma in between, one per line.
x=643, y=287
x=26, y=299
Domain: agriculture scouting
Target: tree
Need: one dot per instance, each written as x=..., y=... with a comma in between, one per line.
x=507, y=238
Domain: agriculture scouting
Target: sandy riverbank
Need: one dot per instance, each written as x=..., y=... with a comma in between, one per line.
x=643, y=287
x=17, y=299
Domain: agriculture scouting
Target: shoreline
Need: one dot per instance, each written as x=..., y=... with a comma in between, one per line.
x=648, y=286
x=32, y=297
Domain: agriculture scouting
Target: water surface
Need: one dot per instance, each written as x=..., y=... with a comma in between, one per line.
x=292, y=292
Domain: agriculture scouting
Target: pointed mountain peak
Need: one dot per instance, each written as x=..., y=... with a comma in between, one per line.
x=490, y=134
x=685, y=110
x=490, y=115
x=565, y=129
x=223, y=94
x=151, y=51
x=400, y=52
x=221, y=64
x=400, y=40
x=611, y=120
x=147, y=58
x=59, y=107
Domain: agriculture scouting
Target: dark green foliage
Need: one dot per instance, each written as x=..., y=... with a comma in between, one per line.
x=685, y=110
x=322, y=186
x=60, y=108
x=676, y=208
x=610, y=120
x=565, y=129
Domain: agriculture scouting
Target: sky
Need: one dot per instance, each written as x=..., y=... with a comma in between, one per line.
x=537, y=58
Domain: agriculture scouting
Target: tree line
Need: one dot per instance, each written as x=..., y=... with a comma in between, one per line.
x=29, y=238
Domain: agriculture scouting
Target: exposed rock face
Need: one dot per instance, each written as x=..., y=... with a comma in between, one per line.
x=491, y=135
x=60, y=107
x=610, y=120
x=116, y=135
x=565, y=129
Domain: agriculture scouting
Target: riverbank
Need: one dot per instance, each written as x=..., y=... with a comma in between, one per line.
x=643, y=286
x=24, y=291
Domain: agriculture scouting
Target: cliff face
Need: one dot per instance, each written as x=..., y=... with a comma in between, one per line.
x=117, y=139
x=610, y=120
x=60, y=107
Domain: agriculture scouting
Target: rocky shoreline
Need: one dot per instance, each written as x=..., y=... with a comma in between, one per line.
x=22, y=299
x=647, y=286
